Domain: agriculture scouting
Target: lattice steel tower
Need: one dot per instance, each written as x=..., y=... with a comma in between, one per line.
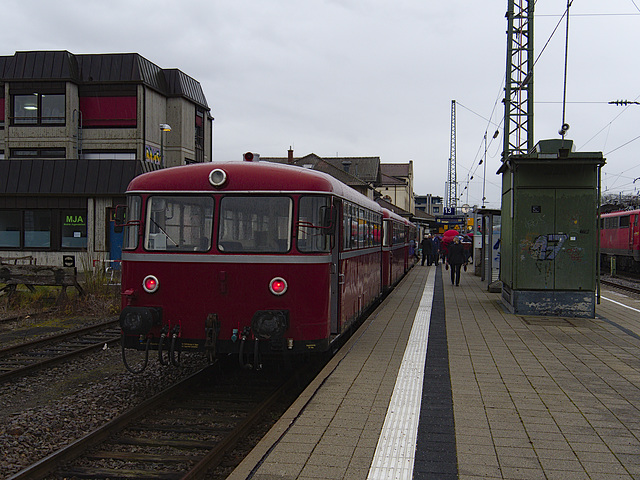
x=518, y=105
x=451, y=198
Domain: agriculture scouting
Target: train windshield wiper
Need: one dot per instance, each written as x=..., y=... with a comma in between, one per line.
x=163, y=231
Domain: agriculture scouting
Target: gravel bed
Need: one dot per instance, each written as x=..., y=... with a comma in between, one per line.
x=623, y=282
x=43, y=412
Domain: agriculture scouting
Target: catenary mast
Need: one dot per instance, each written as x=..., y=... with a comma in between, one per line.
x=451, y=197
x=518, y=105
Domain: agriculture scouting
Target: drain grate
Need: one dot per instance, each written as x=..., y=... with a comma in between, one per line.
x=548, y=321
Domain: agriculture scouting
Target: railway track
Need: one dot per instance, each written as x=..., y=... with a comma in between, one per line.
x=28, y=357
x=180, y=433
x=626, y=281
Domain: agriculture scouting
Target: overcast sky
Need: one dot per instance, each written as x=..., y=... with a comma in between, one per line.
x=371, y=77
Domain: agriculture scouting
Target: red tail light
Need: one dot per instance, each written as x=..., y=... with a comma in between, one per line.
x=150, y=284
x=278, y=286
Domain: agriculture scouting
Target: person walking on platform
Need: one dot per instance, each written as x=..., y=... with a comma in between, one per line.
x=436, y=249
x=427, y=249
x=456, y=258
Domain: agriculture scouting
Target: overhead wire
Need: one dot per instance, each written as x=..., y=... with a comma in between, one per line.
x=564, y=101
x=500, y=97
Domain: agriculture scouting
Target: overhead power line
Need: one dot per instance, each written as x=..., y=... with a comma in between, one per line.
x=623, y=102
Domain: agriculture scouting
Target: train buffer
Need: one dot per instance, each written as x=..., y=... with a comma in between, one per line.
x=38, y=275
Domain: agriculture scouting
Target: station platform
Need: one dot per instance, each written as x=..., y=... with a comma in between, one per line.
x=441, y=382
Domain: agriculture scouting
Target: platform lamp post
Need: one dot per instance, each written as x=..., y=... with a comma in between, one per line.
x=163, y=128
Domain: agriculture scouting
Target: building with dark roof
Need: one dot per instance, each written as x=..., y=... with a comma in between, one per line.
x=396, y=185
x=74, y=130
x=389, y=184
x=329, y=166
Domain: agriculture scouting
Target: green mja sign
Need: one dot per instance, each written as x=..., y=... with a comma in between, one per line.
x=73, y=220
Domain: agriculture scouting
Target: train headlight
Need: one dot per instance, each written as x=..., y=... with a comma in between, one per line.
x=278, y=286
x=150, y=284
x=217, y=177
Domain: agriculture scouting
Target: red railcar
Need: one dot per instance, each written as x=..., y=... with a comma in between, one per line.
x=398, y=232
x=620, y=238
x=246, y=258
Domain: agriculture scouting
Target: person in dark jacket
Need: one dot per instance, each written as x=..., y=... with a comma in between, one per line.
x=436, y=249
x=427, y=249
x=456, y=258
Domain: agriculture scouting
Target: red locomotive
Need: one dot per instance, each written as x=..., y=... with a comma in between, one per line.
x=251, y=258
x=620, y=238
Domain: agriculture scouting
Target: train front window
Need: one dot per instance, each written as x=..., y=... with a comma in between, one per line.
x=255, y=224
x=312, y=224
x=182, y=224
x=132, y=223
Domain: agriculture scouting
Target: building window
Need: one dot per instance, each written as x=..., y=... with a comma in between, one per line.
x=39, y=109
x=108, y=155
x=1, y=112
x=38, y=153
x=109, y=112
x=37, y=229
x=43, y=229
x=10, y=228
x=74, y=228
x=199, y=139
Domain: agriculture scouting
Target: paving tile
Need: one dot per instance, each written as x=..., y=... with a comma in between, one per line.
x=529, y=401
x=522, y=473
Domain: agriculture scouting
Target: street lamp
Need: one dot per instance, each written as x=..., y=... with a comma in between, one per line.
x=163, y=128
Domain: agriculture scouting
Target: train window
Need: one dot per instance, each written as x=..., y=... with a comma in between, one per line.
x=361, y=228
x=346, y=225
x=624, y=222
x=255, y=224
x=177, y=223
x=354, y=227
x=312, y=237
x=377, y=231
x=130, y=239
x=386, y=233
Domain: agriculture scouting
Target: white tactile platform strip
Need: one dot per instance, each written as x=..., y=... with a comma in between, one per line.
x=395, y=452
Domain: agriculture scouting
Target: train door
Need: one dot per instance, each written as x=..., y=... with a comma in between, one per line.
x=335, y=275
x=628, y=221
x=634, y=236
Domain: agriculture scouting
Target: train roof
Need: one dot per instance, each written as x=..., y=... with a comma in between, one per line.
x=246, y=176
x=620, y=213
x=386, y=213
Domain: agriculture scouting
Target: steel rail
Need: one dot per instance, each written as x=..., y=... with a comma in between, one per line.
x=49, y=464
x=58, y=358
x=216, y=455
x=621, y=287
x=56, y=338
